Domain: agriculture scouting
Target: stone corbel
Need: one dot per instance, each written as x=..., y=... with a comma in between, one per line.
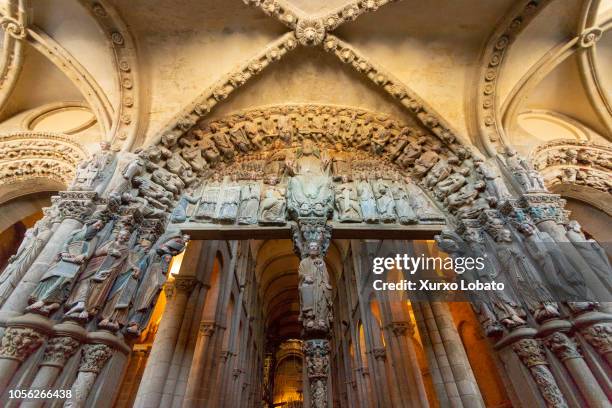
x=308, y=230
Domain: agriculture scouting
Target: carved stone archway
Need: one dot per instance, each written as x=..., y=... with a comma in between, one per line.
x=289, y=151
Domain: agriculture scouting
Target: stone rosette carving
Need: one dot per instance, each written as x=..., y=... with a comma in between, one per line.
x=310, y=32
x=58, y=350
x=19, y=342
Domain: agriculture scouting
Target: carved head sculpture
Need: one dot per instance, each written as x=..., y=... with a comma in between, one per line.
x=527, y=228
x=574, y=225
x=123, y=236
x=145, y=243
x=93, y=227
x=509, y=151
x=105, y=146
x=307, y=147
x=345, y=178
x=314, y=249
x=504, y=235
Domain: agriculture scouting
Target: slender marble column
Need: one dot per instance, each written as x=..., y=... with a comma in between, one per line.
x=151, y=387
x=207, y=329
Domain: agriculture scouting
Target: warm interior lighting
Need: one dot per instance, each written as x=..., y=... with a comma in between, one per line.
x=175, y=264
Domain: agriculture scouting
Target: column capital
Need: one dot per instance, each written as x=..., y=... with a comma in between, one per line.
x=530, y=352
x=94, y=357
x=19, y=342
x=401, y=328
x=379, y=353
x=563, y=347
x=207, y=328
x=59, y=350
x=77, y=205
x=185, y=283
x=599, y=336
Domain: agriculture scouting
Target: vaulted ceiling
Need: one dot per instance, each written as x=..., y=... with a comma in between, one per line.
x=480, y=66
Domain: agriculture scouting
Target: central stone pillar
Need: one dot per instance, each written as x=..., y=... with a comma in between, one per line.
x=311, y=237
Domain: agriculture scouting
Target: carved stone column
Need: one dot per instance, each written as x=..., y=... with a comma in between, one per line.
x=74, y=207
x=23, y=336
x=532, y=355
x=451, y=359
x=599, y=335
x=205, y=332
x=59, y=349
x=316, y=356
x=93, y=359
x=154, y=376
x=567, y=351
x=406, y=366
x=311, y=238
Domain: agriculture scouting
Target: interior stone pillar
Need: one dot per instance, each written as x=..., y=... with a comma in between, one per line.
x=404, y=359
x=456, y=373
x=179, y=350
x=154, y=377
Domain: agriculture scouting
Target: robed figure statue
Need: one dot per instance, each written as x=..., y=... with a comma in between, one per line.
x=56, y=283
x=315, y=292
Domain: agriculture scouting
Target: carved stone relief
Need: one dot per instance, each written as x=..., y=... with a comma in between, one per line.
x=297, y=158
x=30, y=155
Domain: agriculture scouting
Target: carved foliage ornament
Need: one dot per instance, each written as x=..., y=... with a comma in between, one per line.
x=19, y=342
x=600, y=337
x=59, y=350
x=562, y=346
x=38, y=154
x=94, y=357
